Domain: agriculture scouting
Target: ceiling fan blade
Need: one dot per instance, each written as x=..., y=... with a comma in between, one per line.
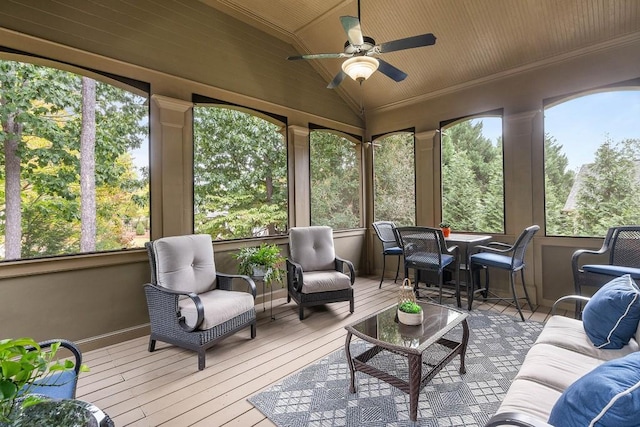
x=351, y=26
x=391, y=71
x=337, y=80
x=319, y=56
x=408, y=43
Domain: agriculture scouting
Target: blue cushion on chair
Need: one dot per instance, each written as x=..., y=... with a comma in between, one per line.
x=612, y=270
x=59, y=385
x=608, y=396
x=393, y=251
x=611, y=316
x=494, y=260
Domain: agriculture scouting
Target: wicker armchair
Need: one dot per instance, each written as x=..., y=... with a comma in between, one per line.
x=621, y=247
x=60, y=384
x=314, y=273
x=190, y=304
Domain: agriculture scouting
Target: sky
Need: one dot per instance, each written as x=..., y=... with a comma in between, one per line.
x=582, y=124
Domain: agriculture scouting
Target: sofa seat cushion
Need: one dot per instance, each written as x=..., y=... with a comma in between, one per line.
x=569, y=334
x=219, y=306
x=325, y=281
x=612, y=314
x=608, y=396
x=612, y=270
x=555, y=367
x=520, y=398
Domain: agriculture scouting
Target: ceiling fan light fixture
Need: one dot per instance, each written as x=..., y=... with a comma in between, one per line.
x=360, y=68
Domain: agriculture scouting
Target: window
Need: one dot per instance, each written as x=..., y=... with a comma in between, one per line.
x=472, y=175
x=592, y=163
x=335, y=180
x=240, y=174
x=74, y=170
x=394, y=179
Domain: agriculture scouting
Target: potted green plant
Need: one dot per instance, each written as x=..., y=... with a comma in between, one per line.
x=446, y=228
x=264, y=262
x=22, y=363
x=410, y=313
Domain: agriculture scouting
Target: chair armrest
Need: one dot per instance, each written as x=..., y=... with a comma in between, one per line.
x=72, y=347
x=170, y=293
x=568, y=298
x=340, y=263
x=294, y=275
x=494, y=247
x=516, y=419
x=225, y=281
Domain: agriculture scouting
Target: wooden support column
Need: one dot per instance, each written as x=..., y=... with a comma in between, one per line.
x=428, y=191
x=171, y=168
x=300, y=176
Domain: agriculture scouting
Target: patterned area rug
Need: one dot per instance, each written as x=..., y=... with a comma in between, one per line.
x=318, y=395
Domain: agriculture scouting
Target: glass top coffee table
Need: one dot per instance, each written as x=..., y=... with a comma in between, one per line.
x=422, y=345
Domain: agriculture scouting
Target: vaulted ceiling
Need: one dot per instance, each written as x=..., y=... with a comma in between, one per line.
x=477, y=40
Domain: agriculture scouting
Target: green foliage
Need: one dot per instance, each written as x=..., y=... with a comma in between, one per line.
x=45, y=105
x=394, y=179
x=608, y=193
x=558, y=183
x=472, y=179
x=240, y=175
x=267, y=257
x=409, y=307
x=22, y=362
x=444, y=224
x=140, y=228
x=335, y=181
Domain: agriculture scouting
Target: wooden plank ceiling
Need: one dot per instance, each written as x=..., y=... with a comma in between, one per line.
x=476, y=39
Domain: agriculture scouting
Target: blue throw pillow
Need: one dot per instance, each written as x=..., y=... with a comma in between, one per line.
x=608, y=396
x=611, y=316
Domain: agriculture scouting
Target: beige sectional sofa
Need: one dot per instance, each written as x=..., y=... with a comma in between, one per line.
x=562, y=354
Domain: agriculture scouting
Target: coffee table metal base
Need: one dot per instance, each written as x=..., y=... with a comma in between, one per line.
x=416, y=378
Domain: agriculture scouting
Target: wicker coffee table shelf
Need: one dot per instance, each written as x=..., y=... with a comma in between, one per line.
x=419, y=344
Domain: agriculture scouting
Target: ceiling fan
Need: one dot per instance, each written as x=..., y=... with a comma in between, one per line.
x=361, y=51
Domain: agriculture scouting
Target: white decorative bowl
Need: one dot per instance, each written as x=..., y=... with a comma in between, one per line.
x=410, y=318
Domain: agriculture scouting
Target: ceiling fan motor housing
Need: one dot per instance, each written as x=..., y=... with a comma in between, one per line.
x=368, y=44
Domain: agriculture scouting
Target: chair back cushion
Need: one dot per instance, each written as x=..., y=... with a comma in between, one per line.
x=185, y=263
x=312, y=247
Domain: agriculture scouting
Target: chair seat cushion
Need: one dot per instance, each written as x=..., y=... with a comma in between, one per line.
x=609, y=395
x=59, y=385
x=612, y=270
x=324, y=281
x=428, y=260
x=611, y=316
x=219, y=306
x=393, y=251
x=494, y=260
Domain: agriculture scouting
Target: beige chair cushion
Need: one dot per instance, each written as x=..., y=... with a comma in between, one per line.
x=530, y=397
x=185, y=263
x=324, y=281
x=219, y=306
x=569, y=333
x=312, y=248
x=555, y=367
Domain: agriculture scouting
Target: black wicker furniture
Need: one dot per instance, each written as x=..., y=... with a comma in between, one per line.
x=504, y=257
x=191, y=305
x=425, y=347
x=386, y=232
x=60, y=384
x=620, y=249
x=426, y=251
x=315, y=274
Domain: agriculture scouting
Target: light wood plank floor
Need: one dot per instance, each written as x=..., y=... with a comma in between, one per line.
x=138, y=388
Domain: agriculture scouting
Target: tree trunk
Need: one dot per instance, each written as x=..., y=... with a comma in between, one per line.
x=88, y=167
x=13, y=208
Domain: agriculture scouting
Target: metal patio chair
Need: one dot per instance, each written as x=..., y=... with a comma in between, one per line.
x=386, y=232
